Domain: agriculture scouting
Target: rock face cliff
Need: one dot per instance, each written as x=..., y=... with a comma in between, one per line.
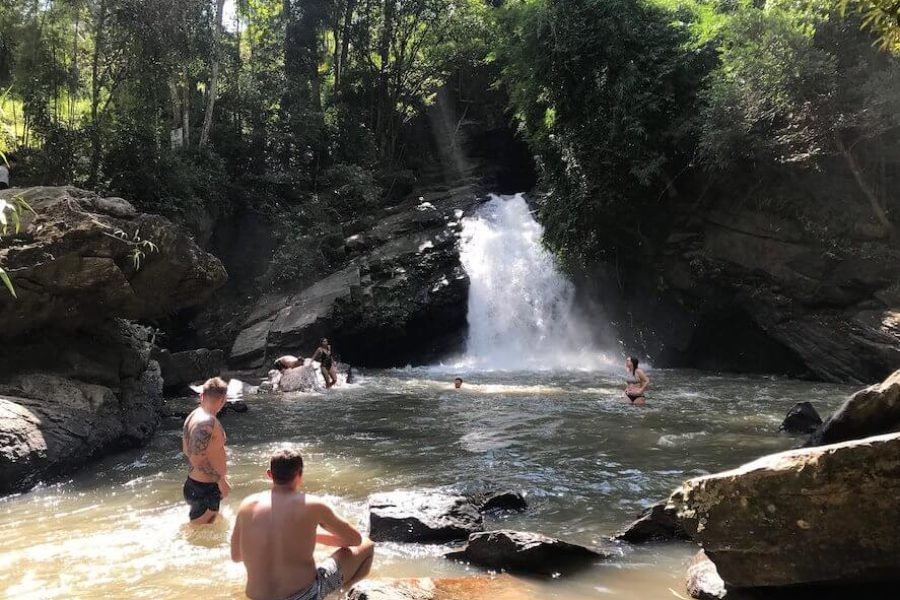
x=751, y=290
x=400, y=298
x=76, y=377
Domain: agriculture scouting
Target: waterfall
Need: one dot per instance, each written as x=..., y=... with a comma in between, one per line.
x=521, y=308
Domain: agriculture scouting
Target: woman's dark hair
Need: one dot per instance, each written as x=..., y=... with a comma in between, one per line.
x=634, y=363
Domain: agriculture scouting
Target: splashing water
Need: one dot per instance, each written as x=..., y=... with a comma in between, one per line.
x=521, y=308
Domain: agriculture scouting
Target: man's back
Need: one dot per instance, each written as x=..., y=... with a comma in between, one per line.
x=277, y=540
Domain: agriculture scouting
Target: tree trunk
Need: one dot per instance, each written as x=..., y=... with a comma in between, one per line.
x=186, y=109
x=384, y=53
x=96, y=84
x=345, y=46
x=867, y=191
x=214, y=75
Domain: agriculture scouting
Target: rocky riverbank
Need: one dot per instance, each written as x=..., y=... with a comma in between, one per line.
x=77, y=380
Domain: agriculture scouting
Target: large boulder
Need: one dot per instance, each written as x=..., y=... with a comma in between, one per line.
x=522, y=552
x=702, y=579
x=753, y=290
x=422, y=518
x=658, y=523
x=500, y=587
x=180, y=369
x=78, y=379
x=53, y=422
x=869, y=412
x=403, y=287
x=81, y=259
x=824, y=515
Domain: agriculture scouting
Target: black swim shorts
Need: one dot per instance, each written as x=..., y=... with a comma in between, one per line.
x=201, y=497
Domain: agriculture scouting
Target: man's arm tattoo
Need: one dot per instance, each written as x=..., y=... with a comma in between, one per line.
x=200, y=438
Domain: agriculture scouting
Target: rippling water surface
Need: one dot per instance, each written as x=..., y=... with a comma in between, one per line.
x=586, y=460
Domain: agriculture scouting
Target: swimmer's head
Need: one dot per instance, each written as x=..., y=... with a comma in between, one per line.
x=631, y=363
x=285, y=467
x=457, y=383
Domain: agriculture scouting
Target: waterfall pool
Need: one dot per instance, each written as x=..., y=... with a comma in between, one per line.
x=586, y=460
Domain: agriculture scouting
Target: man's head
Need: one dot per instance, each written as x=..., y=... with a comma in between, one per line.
x=214, y=393
x=457, y=383
x=286, y=467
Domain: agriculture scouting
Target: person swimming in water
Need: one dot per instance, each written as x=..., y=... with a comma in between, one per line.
x=323, y=354
x=636, y=382
x=457, y=383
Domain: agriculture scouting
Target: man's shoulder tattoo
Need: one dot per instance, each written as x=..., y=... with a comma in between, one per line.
x=200, y=436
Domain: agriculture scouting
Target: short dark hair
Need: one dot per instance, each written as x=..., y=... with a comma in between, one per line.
x=215, y=388
x=459, y=379
x=285, y=465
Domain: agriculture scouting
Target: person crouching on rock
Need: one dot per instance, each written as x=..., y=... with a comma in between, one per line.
x=276, y=532
x=636, y=382
x=324, y=355
x=203, y=443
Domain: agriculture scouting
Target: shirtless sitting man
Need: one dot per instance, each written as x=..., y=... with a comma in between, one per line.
x=203, y=443
x=276, y=532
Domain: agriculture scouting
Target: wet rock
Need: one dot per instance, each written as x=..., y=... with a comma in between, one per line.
x=299, y=379
x=404, y=289
x=658, y=523
x=52, y=423
x=703, y=581
x=872, y=411
x=801, y=419
x=422, y=518
x=179, y=369
x=832, y=315
x=501, y=587
x=759, y=522
x=493, y=502
x=522, y=552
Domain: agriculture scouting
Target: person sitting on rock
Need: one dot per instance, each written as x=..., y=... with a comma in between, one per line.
x=276, y=532
x=324, y=356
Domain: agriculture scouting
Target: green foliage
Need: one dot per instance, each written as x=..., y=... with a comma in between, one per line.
x=602, y=90
x=11, y=215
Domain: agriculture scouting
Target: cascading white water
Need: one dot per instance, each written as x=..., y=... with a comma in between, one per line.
x=521, y=308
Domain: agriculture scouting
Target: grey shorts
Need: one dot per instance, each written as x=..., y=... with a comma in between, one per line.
x=328, y=579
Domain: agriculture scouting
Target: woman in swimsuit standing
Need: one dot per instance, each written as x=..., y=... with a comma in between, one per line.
x=636, y=382
x=326, y=363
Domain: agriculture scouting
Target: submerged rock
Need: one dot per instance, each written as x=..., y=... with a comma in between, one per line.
x=501, y=587
x=422, y=518
x=826, y=515
x=658, y=523
x=872, y=411
x=522, y=552
x=495, y=502
x=802, y=418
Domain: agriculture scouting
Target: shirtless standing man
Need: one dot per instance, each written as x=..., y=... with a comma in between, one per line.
x=276, y=532
x=203, y=443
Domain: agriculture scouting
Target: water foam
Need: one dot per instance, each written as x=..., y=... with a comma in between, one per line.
x=521, y=308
